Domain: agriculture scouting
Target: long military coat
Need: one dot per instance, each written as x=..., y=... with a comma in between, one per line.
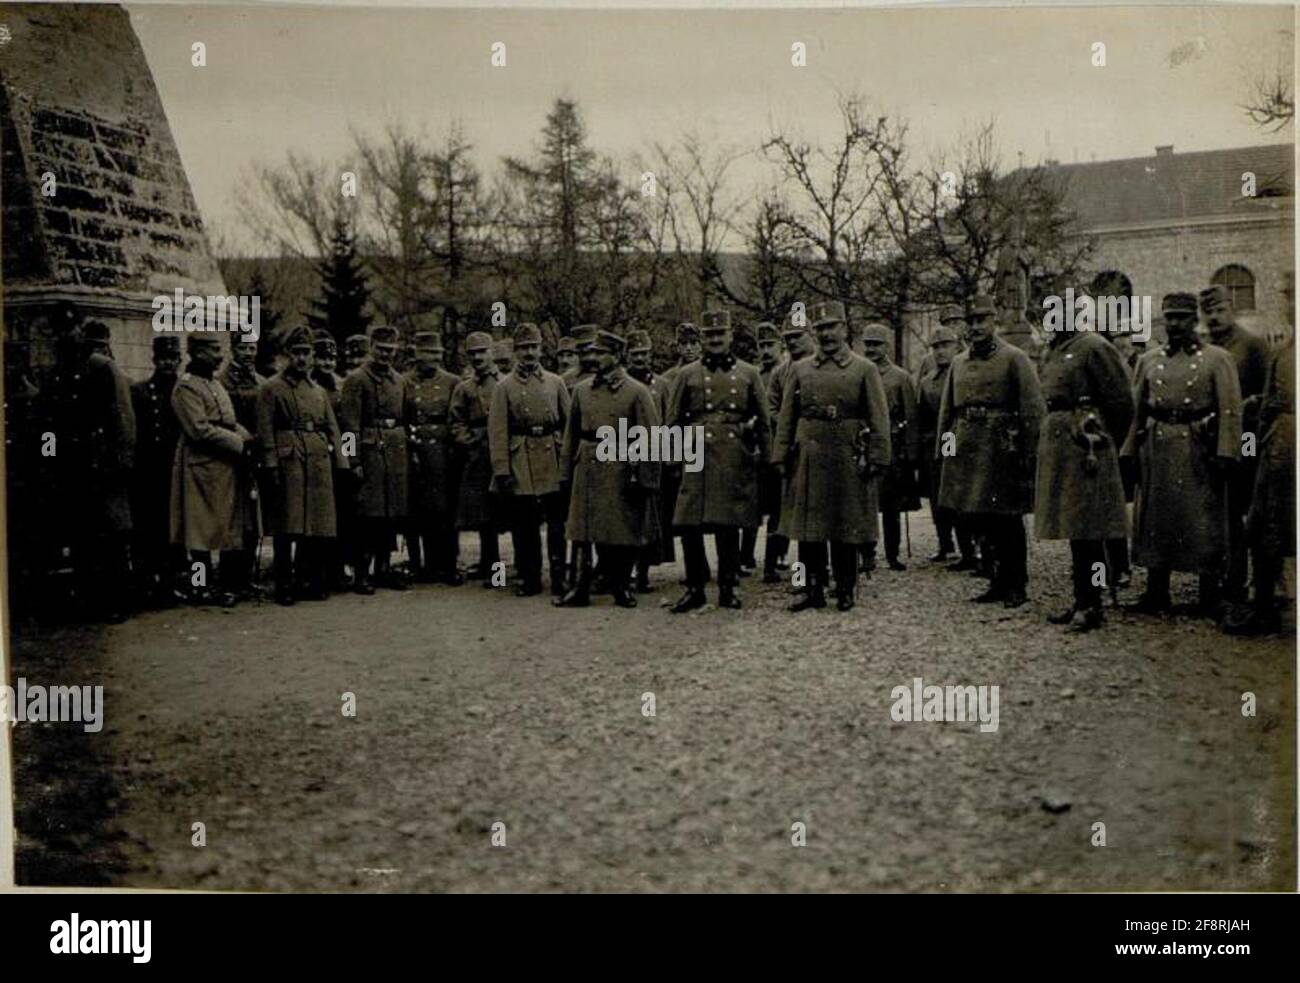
x=729, y=402
x=610, y=502
x=663, y=550
x=525, y=429
x=1271, y=522
x=373, y=402
x=242, y=386
x=1086, y=387
x=428, y=419
x=157, y=433
x=898, y=483
x=298, y=436
x=470, y=404
x=1250, y=354
x=929, y=396
x=1181, y=503
x=826, y=405
x=992, y=405
x=112, y=441
x=209, y=506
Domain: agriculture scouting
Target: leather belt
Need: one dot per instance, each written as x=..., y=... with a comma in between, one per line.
x=1178, y=415
x=978, y=411
x=826, y=413
x=308, y=427
x=1059, y=404
x=538, y=431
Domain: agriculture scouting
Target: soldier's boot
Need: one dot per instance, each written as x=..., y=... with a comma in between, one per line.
x=1085, y=620
x=1062, y=617
x=620, y=574
x=771, y=555
x=815, y=598
x=728, y=598
x=579, y=595
x=361, y=582
x=1209, y=601
x=285, y=588
x=559, y=585
x=748, y=543
x=642, y=575
x=693, y=598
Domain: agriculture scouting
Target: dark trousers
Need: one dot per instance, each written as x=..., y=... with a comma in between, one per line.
x=1236, y=570
x=431, y=544
x=748, y=542
x=527, y=513
x=726, y=539
x=1158, y=584
x=1117, y=558
x=375, y=540
x=1004, y=538
x=776, y=548
x=300, y=561
x=892, y=523
x=1084, y=554
x=102, y=563
x=948, y=524
x=843, y=562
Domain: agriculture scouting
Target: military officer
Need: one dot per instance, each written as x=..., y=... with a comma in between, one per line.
x=242, y=382
x=1080, y=493
x=431, y=535
x=799, y=344
x=325, y=355
x=584, y=336
x=726, y=397
x=611, y=505
x=687, y=338
x=566, y=355
x=503, y=356
x=898, y=484
x=470, y=403
x=207, y=505
x=832, y=441
x=301, y=448
x=1186, y=436
x=992, y=408
x=660, y=548
x=356, y=349
x=1250, y=353
x=529, y=410
x=157, y=431
x=945, y=342
x=374, y=404
x=767, y=344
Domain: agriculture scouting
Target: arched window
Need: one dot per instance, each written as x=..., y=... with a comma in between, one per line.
x=1111, y=283
x=1240, y=283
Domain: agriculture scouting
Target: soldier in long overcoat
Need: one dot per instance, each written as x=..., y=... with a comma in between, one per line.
x=1270, y=526
x=832, y=441
x=686, y=340
x=659, y=548
x=992, y=409
x=431, y=535
x=1080, y=494
x=611, y=504
x=1186, y=435
x=1250, y=354
x=242, y=383
x=325, y=356
x=207, y=507
x=374, y=403
x=157, y=432
x=799, y=344
x=898, y=483
x=724, y=396
x=301, y=449
x=945, y=342
x=530, y=408
x=768, y=339
x=471, y=402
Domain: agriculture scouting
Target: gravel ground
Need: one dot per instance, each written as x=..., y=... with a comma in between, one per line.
x=475, y=708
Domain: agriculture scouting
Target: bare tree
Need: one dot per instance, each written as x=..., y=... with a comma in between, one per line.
x=290, y=208
x=1271, y=104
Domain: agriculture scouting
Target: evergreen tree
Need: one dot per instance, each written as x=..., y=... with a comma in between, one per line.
x=345, y=295
x=268, y=339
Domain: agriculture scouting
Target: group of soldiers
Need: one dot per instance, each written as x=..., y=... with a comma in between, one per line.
x=825, y=440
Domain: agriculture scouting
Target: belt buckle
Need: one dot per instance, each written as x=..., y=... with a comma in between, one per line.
x=309, y=426
x=389, y=423
x=538, y=431
x=832, y=412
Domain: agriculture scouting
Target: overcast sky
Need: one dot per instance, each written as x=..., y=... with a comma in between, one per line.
x=286, y=78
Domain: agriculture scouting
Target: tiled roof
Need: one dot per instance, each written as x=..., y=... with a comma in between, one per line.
x=1170, y=186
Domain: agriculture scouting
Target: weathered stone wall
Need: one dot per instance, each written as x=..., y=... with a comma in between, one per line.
x=79, y=104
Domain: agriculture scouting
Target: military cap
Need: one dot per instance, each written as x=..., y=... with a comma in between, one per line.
x=478, y=341
x=527, y=334
x=297, y=336
x=687, y=331
x=951, y=312
x=982, y=305
x=584, y=334
x=610, y=342
x=1178, y=305
x=943, y=335
x=197, y=340
x=324, y=343
x=638, y=341
x=766, y=331
x=827, y=312
x=96, y=331
x=503, y=348
x=875, y=331
x=565, y=344
x=715, y=321
x=428, y=340
x=357, y=343
x=383, y=334
x=166, y=344
x=1215, y=297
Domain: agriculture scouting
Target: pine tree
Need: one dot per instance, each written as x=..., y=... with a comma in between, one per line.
x=268, y=334
x=345, y=295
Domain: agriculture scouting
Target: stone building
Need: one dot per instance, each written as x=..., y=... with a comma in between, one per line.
x=97, y=210
x=1184, y=221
